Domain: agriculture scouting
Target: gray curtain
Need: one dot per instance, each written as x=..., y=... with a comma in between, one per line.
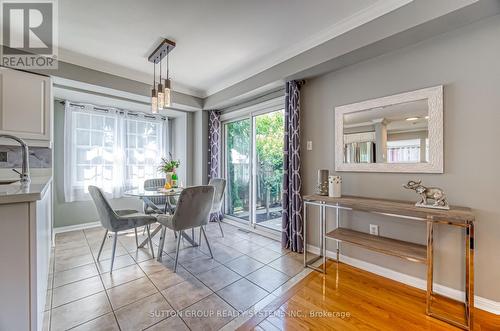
x=214, y=152
x=292, y=223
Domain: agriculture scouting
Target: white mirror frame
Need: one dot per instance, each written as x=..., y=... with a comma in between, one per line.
x=434, y=96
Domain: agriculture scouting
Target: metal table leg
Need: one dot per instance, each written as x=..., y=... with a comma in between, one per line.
x=430, y=264
x=308, y=263
x=469, y=275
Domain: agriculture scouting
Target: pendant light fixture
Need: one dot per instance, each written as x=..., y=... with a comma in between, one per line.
x=161, y=93
x=154, y=94
x=167, y=88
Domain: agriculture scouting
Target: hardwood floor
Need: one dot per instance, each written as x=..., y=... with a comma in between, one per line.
x=358, y=300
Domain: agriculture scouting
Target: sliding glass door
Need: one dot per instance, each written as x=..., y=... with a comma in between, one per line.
x=253, y=158
x=237, y=151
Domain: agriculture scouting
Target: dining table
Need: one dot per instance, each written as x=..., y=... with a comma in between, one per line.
x=147, y=195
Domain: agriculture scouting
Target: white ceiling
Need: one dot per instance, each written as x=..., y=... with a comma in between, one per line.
x=219, y=42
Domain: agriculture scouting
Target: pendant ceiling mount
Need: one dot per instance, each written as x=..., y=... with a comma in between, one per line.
x=165, y=47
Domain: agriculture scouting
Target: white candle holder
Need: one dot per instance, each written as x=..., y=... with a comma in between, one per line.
x=334, y=186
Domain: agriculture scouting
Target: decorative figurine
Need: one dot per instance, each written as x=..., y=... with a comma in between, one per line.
x=428, y=193
x=322, y=188
x=335, y=186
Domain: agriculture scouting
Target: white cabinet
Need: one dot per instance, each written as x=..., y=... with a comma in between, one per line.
x=26, y=104
x=25, y=243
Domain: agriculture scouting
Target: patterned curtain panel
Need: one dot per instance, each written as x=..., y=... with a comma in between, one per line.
x=214, y=152
x=292, y=233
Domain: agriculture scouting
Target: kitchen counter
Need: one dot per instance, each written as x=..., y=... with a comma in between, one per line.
x=16, y=192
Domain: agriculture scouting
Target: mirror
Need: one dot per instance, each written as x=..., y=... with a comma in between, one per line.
x=399, y=133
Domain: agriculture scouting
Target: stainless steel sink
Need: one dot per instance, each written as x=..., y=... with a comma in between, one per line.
x=8, y=181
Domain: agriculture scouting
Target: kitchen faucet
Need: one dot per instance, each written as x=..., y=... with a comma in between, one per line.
x=25, y=171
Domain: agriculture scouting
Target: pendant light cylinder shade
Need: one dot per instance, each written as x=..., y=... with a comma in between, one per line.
x=167, y=93
x=161, y=96
x=154, y=101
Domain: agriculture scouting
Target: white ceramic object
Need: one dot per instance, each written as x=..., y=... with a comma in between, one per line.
x=334, y=186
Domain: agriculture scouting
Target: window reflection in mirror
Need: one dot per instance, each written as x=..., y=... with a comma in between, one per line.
x=392, y=134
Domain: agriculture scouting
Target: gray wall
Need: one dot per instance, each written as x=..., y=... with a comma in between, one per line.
x=465, y=61
x=74, y=213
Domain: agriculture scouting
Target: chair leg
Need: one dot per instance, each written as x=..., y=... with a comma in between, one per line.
x=220, y=226
x=206, y=240
x=162, y=242
x=102, y=245
x=113, y=252
x=177, y=250
x=150, y=241
x=136, y=240
x=199, y=238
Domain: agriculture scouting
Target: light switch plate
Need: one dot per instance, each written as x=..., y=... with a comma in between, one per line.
x=374, y=229
x=309, y=145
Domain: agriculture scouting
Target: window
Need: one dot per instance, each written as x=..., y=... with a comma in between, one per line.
x=407, y=151
x=143, y=146
x=110, y=148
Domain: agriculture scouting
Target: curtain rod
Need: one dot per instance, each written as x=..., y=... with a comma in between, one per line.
x=121, y=111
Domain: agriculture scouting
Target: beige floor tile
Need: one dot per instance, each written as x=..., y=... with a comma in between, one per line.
x=152, y=266
x=107, y=252
x=261, y=240
x=245, y=246
x=167, y=278
x=77, y=290
x=143, y=313
x=187, y=254
x=80, y=311
x=268, y=278
x=199, y=265
x=75, y=274
x=288, y=265
x=120, y=262
x=242, y=294
x=173, y=323
x=244, y=265
x=143, y=254
x=264, y=255
x=186, y=293
x=222, y=253
x=129, y=292
x=121, y=276
x=208, y=314
x=70, y=236
x=72, y=261
x=276, y=246
x=268, y=326
x=218, y=278
x=64, y=254
x=103, y=323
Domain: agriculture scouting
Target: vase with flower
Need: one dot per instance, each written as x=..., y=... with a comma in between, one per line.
x=168, y=167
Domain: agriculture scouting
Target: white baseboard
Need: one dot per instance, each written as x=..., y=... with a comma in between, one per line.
x=76, y=227
x=479, y=302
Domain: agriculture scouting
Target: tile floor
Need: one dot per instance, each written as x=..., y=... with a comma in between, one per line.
x=248, y=270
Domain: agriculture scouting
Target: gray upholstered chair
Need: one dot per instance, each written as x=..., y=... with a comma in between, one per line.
x=220, y=186
x=120, y=220
x=193, y=210
x=161, y=201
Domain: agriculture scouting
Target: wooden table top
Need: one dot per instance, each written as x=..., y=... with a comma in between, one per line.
x=404, y=208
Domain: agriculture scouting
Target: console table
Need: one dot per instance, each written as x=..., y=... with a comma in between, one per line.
x=456, y=216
